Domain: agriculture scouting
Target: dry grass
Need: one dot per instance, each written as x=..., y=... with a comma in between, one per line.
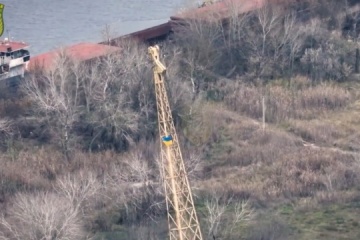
x=280, y=163
x=336, y=129
x=306, y=157
x=38, y=168
x=316, y=131
x=26, y=166
x=302, y=101
x=295, y=174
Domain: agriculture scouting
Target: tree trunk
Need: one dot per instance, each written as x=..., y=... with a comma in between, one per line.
x=357, y=59
x=263, y=112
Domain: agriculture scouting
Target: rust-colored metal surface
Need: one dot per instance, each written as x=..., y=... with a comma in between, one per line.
x=5, y=45
x=79, y=52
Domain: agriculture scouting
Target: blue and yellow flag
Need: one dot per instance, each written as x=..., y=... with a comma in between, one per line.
x=2, y=6
x=167, y=140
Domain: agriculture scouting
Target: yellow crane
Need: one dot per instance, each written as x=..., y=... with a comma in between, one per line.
x=182, y=217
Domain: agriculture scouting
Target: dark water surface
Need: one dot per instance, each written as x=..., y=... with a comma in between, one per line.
x=48, y=24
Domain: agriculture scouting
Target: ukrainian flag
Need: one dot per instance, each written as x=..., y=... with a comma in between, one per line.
x=167, y=140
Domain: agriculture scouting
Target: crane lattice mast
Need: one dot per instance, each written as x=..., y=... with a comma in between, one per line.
x=182, y=217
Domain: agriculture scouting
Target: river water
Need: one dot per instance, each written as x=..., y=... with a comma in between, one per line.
x=49, y=24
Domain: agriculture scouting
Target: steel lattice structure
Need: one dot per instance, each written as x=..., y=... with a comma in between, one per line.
x=182, y=217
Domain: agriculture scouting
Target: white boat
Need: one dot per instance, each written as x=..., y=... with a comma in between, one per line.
x=14, y=59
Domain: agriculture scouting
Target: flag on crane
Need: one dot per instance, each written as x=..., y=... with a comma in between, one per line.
x=167, y=140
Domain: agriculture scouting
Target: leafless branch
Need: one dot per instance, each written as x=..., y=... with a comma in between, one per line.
x=42, y=216
x=6, y=126
x=78, y=188
x=215, y=210
x=221, y=221
x=194, y=166
x=55, y=95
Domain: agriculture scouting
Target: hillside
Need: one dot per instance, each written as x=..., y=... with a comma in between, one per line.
x=267, y=108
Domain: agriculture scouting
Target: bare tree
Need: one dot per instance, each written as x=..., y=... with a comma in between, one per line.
x=116, y=93
x=92, y=85
x=292, y=42
x=135, y=170
x=194, y=165
x=269, y=18
x=325, y=62
x=5, y=126
x=234, y=37
x=133, y=186
x=78, y=189
x=262, y=43
x=108, y=33
x=200, y=39
x=180, y=89
x=132, y=175
x=41, y=216
x=105, y=97
x=215, y=210
x=263, y=28
x=220, y=222
x=55, y=95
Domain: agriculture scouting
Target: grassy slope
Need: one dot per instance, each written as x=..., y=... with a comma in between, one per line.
x=250, y=163
x=337, y=220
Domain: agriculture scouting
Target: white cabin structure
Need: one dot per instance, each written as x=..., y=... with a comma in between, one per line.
x=14, y=59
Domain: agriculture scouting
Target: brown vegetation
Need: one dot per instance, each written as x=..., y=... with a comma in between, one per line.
x=79, y=144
